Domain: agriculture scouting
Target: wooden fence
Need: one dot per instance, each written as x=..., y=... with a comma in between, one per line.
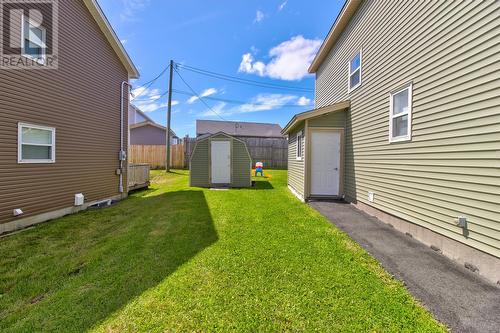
x=273, y=152
x=154, y=155
x=177, y=156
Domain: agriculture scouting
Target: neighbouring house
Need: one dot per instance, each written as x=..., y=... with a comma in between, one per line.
x=150, y=133
x=64, y=130
x=220, y=160
x=135, y=115
x=264, y=141
x=144, y=131
x=407, y=123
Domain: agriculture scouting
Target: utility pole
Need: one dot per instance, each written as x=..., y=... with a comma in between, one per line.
x=169, y=114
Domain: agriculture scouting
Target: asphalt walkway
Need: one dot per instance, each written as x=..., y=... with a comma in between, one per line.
x=462, y=300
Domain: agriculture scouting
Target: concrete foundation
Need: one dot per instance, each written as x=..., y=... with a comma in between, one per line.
x=26, y=222
x=477, y=261
x=294, y=192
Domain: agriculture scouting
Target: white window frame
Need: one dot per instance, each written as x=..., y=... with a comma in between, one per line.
x=351, y=71
x=298, y=149
x=406, y=137
x=24, y=20
x=20, y=144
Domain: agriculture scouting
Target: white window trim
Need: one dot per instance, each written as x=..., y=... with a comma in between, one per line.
x=406, y=137
x=299, y=134
x=44, y=40
x=349, y=88
x=20, y=144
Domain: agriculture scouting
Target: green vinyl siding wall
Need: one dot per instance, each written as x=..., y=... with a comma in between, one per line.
x=199, y=166
x=335, y=119
x=296, y=170
x=450, y=51
x=241, y=162
x=241, y=165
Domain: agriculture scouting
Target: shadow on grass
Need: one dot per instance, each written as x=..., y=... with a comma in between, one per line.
x=71, y=274
x=185, y=174
x=263, y=185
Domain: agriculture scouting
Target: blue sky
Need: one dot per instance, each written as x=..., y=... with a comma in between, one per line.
x=266, y=41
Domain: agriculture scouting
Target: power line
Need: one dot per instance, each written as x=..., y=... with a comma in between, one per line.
x=240, y=80
x=157, y=77
x=197, y=95
x=194, y=69
x=142, y=92
x=153, y=99
x=232, y=101
x=148, y=84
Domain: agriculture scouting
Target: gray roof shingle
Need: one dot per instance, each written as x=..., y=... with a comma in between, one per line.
x=238, y=128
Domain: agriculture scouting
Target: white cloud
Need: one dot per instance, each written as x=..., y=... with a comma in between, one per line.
x=259, y=16
x=197, y=20
x=205, y=93
x=264, y=102
x=248, y=65
x=216, y=109
x=150, y=106
x=283, y=5
x=304, y=101
x=153, y=106
x=289, y=60
x=261, y=102
x=130, y=9
x=149, y=100
x=124, y=41
x=143, y=93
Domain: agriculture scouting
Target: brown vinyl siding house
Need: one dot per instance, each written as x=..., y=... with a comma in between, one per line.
x=413, y=90
x=75, y=109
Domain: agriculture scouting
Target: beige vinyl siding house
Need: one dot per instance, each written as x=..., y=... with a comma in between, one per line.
x=220, y=160
x=296, y=166
x=430, y=71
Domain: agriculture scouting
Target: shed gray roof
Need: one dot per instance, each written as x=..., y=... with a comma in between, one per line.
x=238, y=128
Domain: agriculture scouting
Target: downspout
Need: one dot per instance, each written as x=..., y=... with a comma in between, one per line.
x=122, y=155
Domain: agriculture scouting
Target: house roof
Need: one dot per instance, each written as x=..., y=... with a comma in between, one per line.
x=153, y=124
x=209, y=135
x=238, y=128
x=112, y=38
x=315, y=113
x=345, y=15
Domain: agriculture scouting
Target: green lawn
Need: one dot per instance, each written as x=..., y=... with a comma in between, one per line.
x=175, y=258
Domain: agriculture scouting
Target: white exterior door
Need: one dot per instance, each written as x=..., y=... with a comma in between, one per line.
x=221, y=162
x=325, y=162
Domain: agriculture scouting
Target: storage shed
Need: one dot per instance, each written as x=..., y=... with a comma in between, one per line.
x=220, y=160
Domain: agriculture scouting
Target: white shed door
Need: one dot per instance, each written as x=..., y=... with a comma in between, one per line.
x=221, y=162
x=325, y=163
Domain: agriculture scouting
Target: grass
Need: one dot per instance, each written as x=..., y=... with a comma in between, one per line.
x=175, y=258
